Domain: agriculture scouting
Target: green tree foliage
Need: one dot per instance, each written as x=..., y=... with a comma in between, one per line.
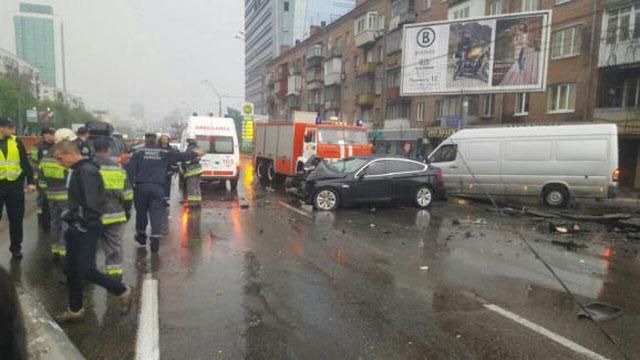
x=16, y=98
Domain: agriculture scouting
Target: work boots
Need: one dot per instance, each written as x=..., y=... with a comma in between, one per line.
x=155, y=244
x=126, y=298
x=141, y=238
x=70, y=316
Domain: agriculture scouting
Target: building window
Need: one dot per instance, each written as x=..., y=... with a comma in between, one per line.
x=426, y=4
x=398, y=111
x=461, y=13
x=286, y=6
x=561, y=98
x=560, y=2
x=380, y=54
x=439, y=108
x=379, y=86
x=488, y=103
x=530, y=5
x=631, y=93
x=623, y=24
x=522, y=104
x=565, y=42
x=393, y=78
x=420, y=112
x=495, y=7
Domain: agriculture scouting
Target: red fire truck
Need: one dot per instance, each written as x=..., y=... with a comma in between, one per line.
x=282, y=148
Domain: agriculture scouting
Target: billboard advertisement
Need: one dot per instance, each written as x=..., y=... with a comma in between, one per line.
x=503, y=53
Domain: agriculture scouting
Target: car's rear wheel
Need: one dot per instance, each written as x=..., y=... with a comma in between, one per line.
x=325, y=199
x=424, y=197
x=261, y=169
x=271, y=172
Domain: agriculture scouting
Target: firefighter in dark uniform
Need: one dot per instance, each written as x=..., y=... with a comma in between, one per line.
x=38, y=153
x=148, y=168
x=14, y=169
x=192, y=173
x=87, y=201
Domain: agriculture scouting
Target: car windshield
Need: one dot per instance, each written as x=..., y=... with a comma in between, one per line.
x=342, y=137
x=347, y=166
x=215, y=144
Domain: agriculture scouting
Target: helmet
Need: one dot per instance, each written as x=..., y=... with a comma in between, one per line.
x=64, y=134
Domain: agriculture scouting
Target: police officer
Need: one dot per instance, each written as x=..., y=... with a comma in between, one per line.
x=118, y=208
x=14, y=169
x=87, y=201
x=52, y=179
x=82, y=141
x=148, y=167
x=37, y=154
x=192, y=174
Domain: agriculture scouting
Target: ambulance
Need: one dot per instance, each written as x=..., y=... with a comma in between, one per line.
x=218, y=138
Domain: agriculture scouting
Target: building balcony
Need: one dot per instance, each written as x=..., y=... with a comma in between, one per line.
x=334, y=52
x=294, y=85
x=315, y=107
x=315, y=52
x=293, y=102
x=314, y=76
x=367, y=28
x=402, y=12
x=332, y=79
x=332, y=104
x=365, y=100
x=367, y=69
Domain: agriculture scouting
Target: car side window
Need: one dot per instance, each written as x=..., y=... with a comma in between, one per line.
x=446, y=153
x=376, y=168
x=397, y=166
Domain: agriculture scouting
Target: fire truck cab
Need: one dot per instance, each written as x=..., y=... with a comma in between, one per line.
x=282, y=148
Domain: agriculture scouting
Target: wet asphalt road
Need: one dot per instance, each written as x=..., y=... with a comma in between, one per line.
x=247, y=277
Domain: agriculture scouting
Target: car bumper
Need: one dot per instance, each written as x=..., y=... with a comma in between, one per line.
x=211, y=175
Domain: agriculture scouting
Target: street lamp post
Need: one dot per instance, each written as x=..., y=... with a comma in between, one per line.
x=213, y=88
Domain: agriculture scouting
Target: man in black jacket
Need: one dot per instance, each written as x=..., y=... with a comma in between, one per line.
x=87, y=199
x=82, y=141
x=14, y=169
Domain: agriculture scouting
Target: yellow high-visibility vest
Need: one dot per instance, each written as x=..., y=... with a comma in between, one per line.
x=10, y=163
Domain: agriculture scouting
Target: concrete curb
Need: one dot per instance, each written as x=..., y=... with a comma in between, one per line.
x=45, y=339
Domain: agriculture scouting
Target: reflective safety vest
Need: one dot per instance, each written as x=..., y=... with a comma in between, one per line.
x=10, y=168
x=115, y=181
x=192, y=168
x=53, y=179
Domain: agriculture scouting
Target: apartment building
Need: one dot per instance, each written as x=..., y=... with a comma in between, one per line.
x=352, y=69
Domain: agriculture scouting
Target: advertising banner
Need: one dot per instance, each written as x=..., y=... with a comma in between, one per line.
x=247, y=127
x=503, y=53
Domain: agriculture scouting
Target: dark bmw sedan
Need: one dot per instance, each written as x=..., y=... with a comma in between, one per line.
x=353, y=181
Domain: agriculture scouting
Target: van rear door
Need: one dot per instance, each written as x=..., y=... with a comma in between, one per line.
x=219, y=160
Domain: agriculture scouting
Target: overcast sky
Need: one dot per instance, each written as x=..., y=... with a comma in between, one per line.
x=153, y=52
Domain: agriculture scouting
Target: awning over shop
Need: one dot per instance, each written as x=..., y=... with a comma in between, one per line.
x=396, y=134
x=437, y=132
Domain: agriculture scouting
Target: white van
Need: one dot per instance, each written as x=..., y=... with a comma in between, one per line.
x=555, y=162
x=218, y=138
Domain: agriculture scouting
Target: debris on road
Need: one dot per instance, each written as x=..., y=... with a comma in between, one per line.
x=595, y=218
x=541, y=214
x=562, y=228
x=424, y=268
x=481, y=221
x=570, y=245
x=244, y=206
x=387, y=232
x=372, y=225
x=600, y=312
x=455, y=222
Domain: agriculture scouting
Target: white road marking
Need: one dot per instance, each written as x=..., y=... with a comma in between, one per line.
x=303, y=213
x=148, y=342
x=545, y=332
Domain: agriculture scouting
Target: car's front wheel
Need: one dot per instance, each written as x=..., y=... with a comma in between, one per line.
x=325, y=199
x=424, y=197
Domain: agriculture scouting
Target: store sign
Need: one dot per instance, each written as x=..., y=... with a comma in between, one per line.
x=32, y=116
x=439, y=132
x=505, y=53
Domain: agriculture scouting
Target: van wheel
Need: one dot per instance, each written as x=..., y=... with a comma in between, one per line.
x=556, y=196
